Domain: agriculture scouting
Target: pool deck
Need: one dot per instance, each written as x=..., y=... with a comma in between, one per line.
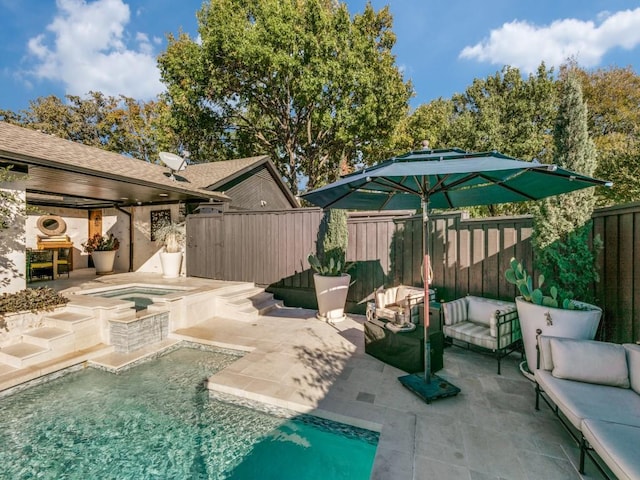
x=488, y=431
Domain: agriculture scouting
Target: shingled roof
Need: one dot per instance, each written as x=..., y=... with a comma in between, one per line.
x=211, y=175
x=72, y=169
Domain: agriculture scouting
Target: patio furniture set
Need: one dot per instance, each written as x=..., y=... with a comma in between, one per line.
x=593, y=387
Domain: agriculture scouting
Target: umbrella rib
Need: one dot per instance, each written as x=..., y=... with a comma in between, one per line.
x=397, y=185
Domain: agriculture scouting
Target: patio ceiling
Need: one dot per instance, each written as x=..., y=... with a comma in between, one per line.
x=65, y=173
x=51, y=186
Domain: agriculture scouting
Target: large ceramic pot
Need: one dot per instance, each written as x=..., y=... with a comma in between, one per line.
x=331, y=293
x=171, y=262
x=103, y=261
x=555, y=322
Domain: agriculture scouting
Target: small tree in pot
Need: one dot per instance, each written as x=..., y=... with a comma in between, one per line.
x=171, y=238
x=331, y=278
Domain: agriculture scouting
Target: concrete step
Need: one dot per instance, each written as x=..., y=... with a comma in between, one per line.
x=255, y=296
x=238, y=291
x=50, y=338
x=68, y=320
x=22, y=354
x=261, y=308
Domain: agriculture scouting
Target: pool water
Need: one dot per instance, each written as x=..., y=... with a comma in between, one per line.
x=141, y=296
x=156, y=421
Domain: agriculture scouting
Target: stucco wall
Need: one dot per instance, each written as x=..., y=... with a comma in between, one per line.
x=12, y=242
x=146, y=252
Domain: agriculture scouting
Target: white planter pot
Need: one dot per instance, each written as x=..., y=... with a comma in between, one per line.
x=331, y=293
x=103, y=261
x=555, y=322
x=171, y=263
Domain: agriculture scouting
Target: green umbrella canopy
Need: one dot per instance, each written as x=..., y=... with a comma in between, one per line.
x=447, y=179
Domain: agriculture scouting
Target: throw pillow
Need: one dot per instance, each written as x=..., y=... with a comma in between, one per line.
x=589, y=361
x=633, y=360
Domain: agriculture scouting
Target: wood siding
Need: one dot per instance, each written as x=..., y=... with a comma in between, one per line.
x=467, y=255
x=256, y=190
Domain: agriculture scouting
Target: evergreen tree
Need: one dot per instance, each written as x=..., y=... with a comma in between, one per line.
x=562, y=224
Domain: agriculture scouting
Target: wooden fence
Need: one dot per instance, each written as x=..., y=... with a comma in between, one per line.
x=467, y=255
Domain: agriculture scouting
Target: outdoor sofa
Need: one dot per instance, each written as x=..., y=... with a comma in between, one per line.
x=483, y=322
x=596, y=387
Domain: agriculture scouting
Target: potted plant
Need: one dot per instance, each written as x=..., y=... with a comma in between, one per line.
x=171, y=237
x=548, y=313
x=103, y=250
x=331, y=279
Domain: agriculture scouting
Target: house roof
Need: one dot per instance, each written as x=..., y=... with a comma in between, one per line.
x=215, y=175
x=65, y=172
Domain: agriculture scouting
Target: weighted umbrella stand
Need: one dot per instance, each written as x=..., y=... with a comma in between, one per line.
x=428, y=387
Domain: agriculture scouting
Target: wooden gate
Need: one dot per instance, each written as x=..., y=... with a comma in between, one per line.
x=205, y=246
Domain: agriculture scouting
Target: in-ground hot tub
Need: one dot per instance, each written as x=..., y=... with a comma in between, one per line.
x=141, y=295
x=131, y=331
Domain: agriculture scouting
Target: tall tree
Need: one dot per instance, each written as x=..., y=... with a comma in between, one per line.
x=298, y=79
x=613, y=96
x=119, y=124
x=562, y=224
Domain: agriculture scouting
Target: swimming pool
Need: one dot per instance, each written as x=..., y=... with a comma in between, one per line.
x=141, y=295
x=157, y=421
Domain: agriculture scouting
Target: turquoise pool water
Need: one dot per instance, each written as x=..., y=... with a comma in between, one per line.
x=156, y=421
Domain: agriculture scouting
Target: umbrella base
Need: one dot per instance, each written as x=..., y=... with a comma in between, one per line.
x=429, y=391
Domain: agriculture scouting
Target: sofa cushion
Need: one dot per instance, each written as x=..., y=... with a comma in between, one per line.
x=472, y=333
x=480, y=310
x=590, y=361
x=505, y=328
x=579, y=400
x=616, y=444
x=633, y=362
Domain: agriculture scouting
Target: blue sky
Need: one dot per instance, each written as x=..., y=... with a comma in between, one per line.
x=74, y=46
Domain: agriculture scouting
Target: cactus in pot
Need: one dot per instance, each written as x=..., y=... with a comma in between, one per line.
x=517, y=275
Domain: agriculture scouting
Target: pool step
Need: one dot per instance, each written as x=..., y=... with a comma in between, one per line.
x=68, y=320
x=50, y=338
x=22, y=354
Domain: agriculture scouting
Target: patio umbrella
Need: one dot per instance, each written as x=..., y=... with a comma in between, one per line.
x=445, y=179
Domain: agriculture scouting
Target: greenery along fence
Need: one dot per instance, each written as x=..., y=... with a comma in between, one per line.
x=467, y=255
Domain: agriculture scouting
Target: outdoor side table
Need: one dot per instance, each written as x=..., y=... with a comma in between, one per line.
x=403, y=350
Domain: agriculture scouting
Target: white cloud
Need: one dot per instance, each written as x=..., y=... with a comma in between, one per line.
x=85, y=48
x=523, y=45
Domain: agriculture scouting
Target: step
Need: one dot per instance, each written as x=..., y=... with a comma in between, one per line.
x=238, y=291
x=49, y=337
x=261, y=308
x=21, y=354
x=259, y=297
x=67, y=320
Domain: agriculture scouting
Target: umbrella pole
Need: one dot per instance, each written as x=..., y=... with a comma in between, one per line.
x=429, y=387
x=425, y=276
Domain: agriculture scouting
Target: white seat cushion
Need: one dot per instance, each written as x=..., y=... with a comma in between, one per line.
x=617, y=445
x=580, y=400
x=473, y=333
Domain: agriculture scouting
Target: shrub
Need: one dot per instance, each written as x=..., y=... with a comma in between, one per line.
x=30, y=299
